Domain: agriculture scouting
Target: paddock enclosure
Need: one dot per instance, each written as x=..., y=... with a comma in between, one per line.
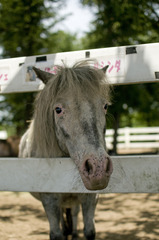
x=127, y=65
x=134, y=140
x=117, y=217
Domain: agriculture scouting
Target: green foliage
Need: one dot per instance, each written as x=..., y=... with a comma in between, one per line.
x=137, y=105
x=125, y=22
x=62, y=42
x=19, y=109
x=28, y=28
x=22, y=26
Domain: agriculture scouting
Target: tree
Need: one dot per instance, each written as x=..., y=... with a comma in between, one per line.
x=22, y=26
x=28, y=28
x=125, y=22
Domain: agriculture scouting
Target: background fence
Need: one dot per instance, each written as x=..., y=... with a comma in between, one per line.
x=3, y=135
x=146, y=138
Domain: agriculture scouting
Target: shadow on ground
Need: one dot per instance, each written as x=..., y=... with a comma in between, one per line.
x=118, y=217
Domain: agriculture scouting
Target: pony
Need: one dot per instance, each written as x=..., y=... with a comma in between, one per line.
x=69, y=121
x=9, y=147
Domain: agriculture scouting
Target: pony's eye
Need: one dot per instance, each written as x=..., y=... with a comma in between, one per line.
x=106, y=106
x=58, y=110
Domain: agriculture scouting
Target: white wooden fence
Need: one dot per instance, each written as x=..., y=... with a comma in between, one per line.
x=130, y=64
x=3, y=135
x=134, y=138
x=131, y=174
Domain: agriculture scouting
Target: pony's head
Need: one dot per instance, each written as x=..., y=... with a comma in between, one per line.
x=70, y=116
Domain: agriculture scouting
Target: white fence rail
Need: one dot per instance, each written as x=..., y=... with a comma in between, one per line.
x=130, y=138
x=3, y=135
x=129, y=64
x=131, y=174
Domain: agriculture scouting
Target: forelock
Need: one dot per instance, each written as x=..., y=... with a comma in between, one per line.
x=82, y=77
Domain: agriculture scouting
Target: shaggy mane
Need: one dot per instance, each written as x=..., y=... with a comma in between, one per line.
x=81, y=78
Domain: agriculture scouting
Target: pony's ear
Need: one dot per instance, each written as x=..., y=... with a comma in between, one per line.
x=42, y=75
x=104, y=69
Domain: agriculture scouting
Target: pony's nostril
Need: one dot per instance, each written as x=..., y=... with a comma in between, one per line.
x=88, y=167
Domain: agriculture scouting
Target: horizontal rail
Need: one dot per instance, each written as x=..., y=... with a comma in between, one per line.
x=136, y=130
x=127, y=64
x=131, y=174
x=138, y=145
x=3, y=134
x=140, y=130
x=134, y=138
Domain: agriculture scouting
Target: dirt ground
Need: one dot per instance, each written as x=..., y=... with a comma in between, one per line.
x=118, y=217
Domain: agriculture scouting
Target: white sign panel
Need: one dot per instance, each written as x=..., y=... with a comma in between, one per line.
x=128, y=64
x=4, y=75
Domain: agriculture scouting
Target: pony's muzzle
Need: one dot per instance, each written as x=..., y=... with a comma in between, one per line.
x=96, y=172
